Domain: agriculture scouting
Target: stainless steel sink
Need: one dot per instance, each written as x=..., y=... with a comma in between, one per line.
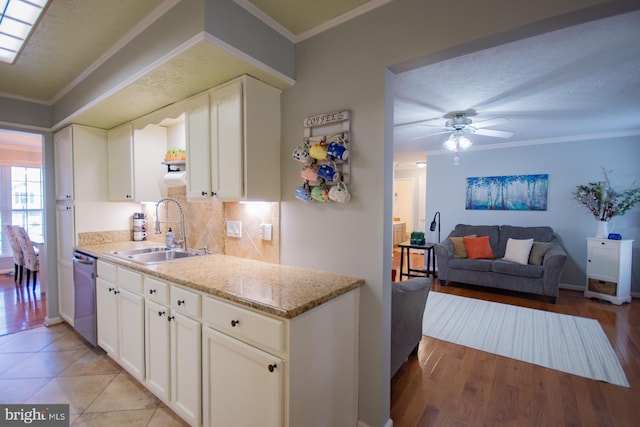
x=127, y=252
x=154, y=255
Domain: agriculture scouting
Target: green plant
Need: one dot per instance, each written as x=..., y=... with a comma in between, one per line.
x=603, y=201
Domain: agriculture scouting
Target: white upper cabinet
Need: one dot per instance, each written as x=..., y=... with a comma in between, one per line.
x=198, y=148
x=120, y=149
x=149, y=148
x=80, y=163
x=245, y=140
x=135, y=170
x=239, y=159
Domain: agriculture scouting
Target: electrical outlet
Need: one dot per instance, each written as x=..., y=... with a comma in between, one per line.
x=266, y=231
x=234, y=229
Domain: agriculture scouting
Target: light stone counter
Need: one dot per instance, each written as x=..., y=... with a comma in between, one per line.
x=283, y=291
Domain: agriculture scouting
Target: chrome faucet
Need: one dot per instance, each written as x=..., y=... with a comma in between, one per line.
x=184, y=236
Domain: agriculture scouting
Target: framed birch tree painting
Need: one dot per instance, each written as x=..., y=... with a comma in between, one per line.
x=510, y=193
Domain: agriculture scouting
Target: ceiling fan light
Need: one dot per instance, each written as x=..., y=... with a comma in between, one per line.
x=450, y=144
x=464, y=142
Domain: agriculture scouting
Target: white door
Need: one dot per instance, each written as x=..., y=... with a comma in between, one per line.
x=157, y=349
x=120, y=163
x=186, y=378
x=107, y=316
x=63, y=153
x=199, y=167
x=237, y=377
x=132, y=333
x=227, y=142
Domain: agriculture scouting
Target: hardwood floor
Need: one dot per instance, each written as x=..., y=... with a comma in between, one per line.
x=20, y=309
x=452, y=385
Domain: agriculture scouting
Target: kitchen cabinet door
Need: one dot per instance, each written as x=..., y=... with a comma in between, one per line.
x=245, y=140
x=63, y=154
x=80, y=158
x=186, y=378
x=107, y=317
x=132, y=333
x=243, y=386
x=198, y=148
x=120, y=161
x=149, y=148
x=157, y=349
x=227, y=142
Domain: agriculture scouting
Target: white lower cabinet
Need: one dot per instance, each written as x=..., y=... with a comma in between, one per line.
x=158, y=349
x=242, y=385
x=107, y=317
x=216, y=363
x=120, y=316
x=132, y=333
x=107, y=308
x=172, y=342
x=186, y=377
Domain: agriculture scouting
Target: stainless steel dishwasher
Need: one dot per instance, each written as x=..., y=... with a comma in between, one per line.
x=84, y=287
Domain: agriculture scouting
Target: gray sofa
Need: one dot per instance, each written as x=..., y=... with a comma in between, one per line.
x=498, y=273
x=408, y=299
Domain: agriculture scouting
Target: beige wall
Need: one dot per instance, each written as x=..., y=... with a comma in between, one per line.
x=347, y=68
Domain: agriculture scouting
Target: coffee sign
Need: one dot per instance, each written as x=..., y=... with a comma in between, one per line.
x=326, y=118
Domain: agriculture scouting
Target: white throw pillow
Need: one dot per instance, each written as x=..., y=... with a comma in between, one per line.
x=518, y=250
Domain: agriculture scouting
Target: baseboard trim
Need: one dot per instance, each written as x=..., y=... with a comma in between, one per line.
x=50, y=321
x=361, y=423
x=582, y=289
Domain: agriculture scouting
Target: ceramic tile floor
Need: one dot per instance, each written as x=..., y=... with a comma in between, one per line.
x=53, y=365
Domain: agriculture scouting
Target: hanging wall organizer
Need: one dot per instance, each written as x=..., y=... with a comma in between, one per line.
x=325, y=158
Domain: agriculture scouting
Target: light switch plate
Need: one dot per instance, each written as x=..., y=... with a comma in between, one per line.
x=234, y=229
x=266, y=232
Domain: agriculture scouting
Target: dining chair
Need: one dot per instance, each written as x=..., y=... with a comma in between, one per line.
x=31, y=259
x=18, y=258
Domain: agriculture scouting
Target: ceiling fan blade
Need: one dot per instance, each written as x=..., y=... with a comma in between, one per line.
x=426, y=136
x=494, y=133
x=490, y=122
x=416, y=122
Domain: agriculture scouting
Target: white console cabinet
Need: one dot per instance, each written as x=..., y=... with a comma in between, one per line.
x=609, y=270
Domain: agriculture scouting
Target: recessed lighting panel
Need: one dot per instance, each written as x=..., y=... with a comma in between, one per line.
x=17, y=19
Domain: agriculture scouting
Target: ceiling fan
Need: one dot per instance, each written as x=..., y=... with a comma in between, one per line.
x=460, y=123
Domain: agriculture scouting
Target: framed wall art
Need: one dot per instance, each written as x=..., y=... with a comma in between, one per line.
x=507, y=193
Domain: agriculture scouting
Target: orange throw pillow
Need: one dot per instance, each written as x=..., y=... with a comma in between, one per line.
x=478, y=247
x=458, y=246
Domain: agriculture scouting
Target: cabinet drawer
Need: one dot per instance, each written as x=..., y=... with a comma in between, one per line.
x=244, y=324
x=107, y=271
x=156, y=290
x=131, y=280
x=185, y=302
x=603, y=287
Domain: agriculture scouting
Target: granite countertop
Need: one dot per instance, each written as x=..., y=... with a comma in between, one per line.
x=280, y=290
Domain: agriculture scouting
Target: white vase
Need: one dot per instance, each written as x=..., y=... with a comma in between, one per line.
x=602, y=232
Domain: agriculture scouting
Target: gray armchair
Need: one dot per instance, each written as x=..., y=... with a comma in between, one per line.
x=408, y=299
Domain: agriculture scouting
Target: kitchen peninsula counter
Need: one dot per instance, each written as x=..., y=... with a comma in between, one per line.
x=280, y=290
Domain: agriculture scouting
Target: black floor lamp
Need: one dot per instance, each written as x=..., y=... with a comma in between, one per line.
x=432, y=227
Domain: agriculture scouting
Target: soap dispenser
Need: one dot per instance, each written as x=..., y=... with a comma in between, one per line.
x=169, y=242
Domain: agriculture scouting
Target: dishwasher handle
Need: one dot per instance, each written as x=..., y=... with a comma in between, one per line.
x=83, y=259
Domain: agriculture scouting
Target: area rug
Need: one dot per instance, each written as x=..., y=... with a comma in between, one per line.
x=576, y=345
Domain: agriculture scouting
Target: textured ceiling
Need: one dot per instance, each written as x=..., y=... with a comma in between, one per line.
x=206, y=66
x=70, y=37
x=577, y=83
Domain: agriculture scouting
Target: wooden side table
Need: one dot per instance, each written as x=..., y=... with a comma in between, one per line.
x=417, y=272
